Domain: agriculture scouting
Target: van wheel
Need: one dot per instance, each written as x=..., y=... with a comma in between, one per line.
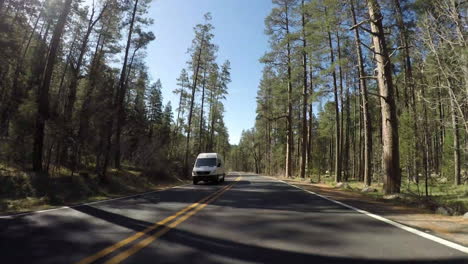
x=195, y=182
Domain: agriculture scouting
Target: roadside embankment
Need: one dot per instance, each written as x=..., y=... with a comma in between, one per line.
x=23, y=191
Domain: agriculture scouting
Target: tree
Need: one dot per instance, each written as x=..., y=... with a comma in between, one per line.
x=136, y=9
x=364, y=101
x=43, y=93
x=390, y=158
x=200, y=44
x=183, y=83
x=155, y=106
x=304, y=94
x=278, y=25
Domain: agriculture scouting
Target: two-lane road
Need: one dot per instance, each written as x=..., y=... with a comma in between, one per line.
x=247, y=219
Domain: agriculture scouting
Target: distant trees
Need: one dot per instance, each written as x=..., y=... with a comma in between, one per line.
x=212, y=82
x=388, y=105
x=67, y=107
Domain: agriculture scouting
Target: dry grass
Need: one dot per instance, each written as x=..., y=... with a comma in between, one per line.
x=440, y=194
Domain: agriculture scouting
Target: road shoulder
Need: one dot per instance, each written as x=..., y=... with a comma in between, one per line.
x=41, y=208
x=452, y=228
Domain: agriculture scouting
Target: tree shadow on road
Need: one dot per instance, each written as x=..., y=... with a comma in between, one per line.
x=56, y=238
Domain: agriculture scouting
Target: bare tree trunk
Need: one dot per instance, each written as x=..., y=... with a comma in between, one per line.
x=390, y=155
x=365, y=106
x=289, y=136
x=43, y=93
x=304, y=97
x=341, y=98
x=337, y=114
x=426, y=147
x=441, y=129
x=311, y=116
x=347, y=130
x=355, y=158
x=456, y=144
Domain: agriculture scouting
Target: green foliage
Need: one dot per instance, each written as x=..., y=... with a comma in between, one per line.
x=429, y=76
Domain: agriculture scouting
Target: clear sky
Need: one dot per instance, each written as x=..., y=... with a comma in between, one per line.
x=239, y=33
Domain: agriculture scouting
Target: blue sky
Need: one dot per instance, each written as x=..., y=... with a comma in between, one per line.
x=239, y=33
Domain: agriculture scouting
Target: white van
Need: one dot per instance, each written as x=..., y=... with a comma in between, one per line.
x=208, y=167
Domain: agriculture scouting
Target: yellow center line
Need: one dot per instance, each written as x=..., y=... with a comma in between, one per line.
x=142, y=244
x=110, y=249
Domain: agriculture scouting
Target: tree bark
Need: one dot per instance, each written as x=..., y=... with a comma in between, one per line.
x=365, y=106
x=343, y=155
x=337, y=114
x=311, y=118
x=304, y=97
x=289, y=135
x=390, y=155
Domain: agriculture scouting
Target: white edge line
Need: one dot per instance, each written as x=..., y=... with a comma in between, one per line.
x=388, y=221
x=95, y=202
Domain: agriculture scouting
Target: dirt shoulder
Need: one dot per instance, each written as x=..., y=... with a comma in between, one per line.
x=21, y=193
x=453, y=228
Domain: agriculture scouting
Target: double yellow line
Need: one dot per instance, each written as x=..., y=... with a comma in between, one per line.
x=183, y=215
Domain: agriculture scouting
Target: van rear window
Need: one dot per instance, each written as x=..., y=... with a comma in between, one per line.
x=210, y=162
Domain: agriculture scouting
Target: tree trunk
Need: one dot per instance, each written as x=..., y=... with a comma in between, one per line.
x=426, y=147
x=337, y=114
x=365, y=106
x=43, y=93
x=304, y=97
x=343, y=156
x=311, y=116
x=456, y=144
x=289, y=135
x=390, y=155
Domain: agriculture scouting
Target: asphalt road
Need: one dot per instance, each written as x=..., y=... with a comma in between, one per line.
x=247, y=219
